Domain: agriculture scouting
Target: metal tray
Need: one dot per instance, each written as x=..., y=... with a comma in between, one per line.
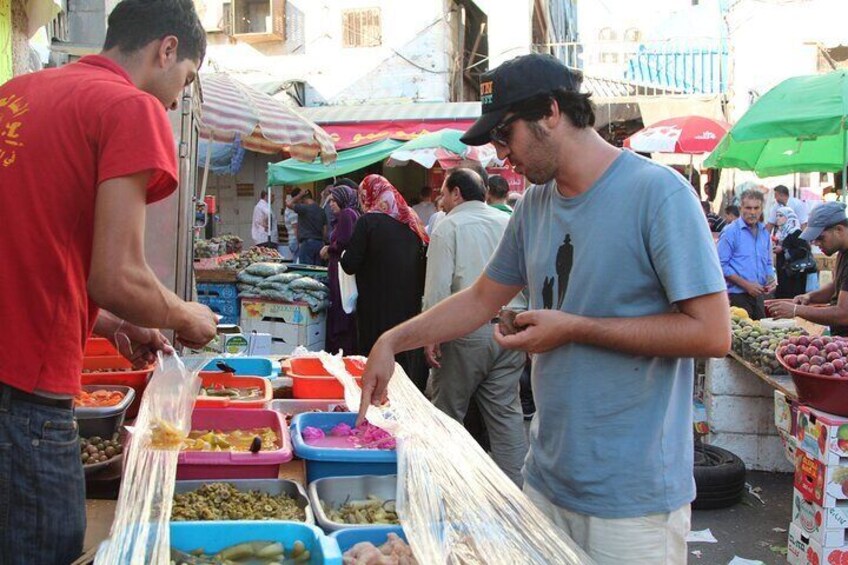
x=335, y=491
x=271, y=486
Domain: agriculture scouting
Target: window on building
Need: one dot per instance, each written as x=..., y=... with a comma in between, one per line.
x=265, y=20
x=607, y=34
x=633, y=35
x=362, y=28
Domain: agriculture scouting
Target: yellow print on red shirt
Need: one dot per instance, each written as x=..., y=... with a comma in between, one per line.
x=12, y=107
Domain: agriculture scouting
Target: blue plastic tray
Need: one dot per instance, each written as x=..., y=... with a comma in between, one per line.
x=349, y=537
x=215, y=536
x=256, y=366
x=333, y=462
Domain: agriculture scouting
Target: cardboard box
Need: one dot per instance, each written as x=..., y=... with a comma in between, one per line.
x=259, y=343
x=790, y=446
x=823, y=436
x=785, y=413
x=295, y=313
x=827, y=526
x=803, y=550
x=826, y=485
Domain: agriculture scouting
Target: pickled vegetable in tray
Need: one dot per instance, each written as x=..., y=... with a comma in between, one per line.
x=252, y=440
x=233, y=393
x=223, y=501
x=373, y=510
x=98, y=398
x=250, y=553
x=342, y=436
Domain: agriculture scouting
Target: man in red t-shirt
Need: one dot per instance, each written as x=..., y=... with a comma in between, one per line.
x=83, y=149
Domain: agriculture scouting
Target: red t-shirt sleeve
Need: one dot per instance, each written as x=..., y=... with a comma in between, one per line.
x=135, y=136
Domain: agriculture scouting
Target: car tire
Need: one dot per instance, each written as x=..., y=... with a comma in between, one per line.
x=719, y=478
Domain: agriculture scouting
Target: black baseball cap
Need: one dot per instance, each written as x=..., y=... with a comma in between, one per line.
x=822, y=217
x=516, y=80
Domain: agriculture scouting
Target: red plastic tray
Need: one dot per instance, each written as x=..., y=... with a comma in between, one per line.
x=311, y=380
x=210, y=378
x=96, y=346
x=135, y=379
x=824, y=392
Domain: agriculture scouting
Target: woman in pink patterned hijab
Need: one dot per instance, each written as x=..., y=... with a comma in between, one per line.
x=380, y=197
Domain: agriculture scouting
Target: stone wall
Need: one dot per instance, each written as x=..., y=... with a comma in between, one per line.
x=740, y=411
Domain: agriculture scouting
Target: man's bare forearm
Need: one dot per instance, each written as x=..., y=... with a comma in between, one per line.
x=822, y=295
x=700, y=329
x=663, y=335
x=830, y=316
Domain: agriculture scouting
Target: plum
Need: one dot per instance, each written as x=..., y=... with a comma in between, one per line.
x=838, y=364
x=831, y=347
x=812, y=350
x=816, y=343
x=827, y=369
x=802, y=348
x=805, y=367
x=815, y=369
x=826, y=339
x=817, y=360
x=791, y=360
x=792, y=349
x=783, y=351
x=803, y=359
x=803, y=340
x=834, y=355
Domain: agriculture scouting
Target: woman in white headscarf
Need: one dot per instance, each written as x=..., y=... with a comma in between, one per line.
x=789, y=247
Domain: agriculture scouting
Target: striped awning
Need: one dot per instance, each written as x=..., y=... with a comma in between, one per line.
x=265, y=125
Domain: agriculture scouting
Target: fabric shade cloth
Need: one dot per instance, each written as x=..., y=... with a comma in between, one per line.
x=689, y=135
x=799, y=126
x=292, y=171
x=265, y=125
x=443, y=147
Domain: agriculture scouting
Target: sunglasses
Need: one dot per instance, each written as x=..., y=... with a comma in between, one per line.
x=500, y=133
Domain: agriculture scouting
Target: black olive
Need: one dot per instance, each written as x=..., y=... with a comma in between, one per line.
x=256, y=445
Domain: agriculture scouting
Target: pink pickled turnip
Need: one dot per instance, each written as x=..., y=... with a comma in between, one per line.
x=311, y=433
x=341, y=430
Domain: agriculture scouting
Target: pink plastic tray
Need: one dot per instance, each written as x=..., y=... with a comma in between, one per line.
x=194, y=465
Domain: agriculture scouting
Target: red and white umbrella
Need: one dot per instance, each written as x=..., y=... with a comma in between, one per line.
x=265, y=124
x=687, y=135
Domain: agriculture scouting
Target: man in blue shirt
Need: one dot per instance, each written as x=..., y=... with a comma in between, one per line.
x=625, y=287
x=744, y=249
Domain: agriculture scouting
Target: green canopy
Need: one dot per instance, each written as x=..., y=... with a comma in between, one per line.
x=292, y=171
x=445, y=138
x=798, y=126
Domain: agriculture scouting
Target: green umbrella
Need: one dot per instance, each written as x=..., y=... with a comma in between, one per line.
x=292, y=171
x=798, y=126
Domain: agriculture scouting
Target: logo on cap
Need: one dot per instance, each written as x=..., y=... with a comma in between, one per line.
x=486, y=94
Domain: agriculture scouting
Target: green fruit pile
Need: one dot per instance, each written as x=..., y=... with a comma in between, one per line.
x=98, y=450
x=759, y=345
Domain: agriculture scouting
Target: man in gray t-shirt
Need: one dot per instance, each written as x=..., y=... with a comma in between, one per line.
x=625, y=289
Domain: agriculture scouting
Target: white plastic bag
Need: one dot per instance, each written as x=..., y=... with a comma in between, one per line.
x=348, y=290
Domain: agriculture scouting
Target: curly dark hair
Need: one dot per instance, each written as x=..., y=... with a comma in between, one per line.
x=577, y=106
x=135, y=23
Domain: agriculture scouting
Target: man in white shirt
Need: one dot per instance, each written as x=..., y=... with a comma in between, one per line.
x=474, y=366
x=782, y=198
x=425, y=208
x=264, y=228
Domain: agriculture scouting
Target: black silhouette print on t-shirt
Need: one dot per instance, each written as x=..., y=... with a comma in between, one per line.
x=548, y=293
x=564, y=260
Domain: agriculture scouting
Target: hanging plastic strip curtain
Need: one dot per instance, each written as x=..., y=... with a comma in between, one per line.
x=455, y=505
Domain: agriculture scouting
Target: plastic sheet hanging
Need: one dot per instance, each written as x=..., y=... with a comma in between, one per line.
x=456, y=506
x=140, y=531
